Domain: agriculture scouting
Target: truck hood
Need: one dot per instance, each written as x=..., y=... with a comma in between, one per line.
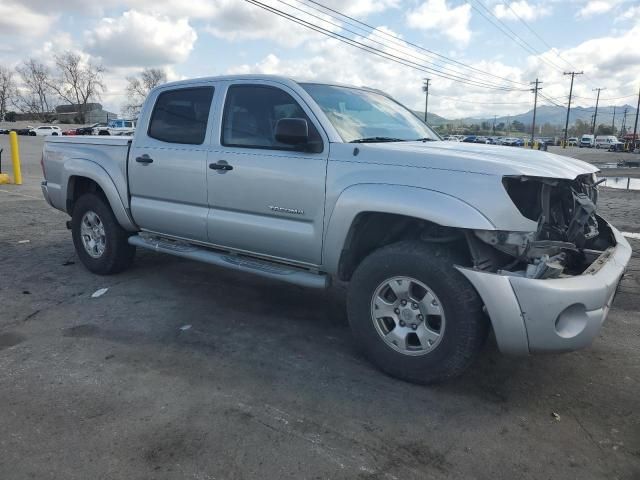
x=476, y=158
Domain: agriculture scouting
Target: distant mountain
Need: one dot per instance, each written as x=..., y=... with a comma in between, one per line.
x=553, y=115
x=432, y=118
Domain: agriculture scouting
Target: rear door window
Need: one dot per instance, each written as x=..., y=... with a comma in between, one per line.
x=181, y=116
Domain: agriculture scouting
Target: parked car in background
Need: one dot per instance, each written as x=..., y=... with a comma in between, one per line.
x=117, y=127
x=573, y=142
x=45, y=130
x=469, y=139
x=22, y=131
x=88, y=129
x=587, y=141
x=436, y=242
x=513, y=142
x=71, y=131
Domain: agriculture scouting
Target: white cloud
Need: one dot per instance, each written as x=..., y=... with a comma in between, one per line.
x=141, y=39
x=596, y=7
x=632, y=13
x=522, y=9
x=17, y=19
x=436, y=15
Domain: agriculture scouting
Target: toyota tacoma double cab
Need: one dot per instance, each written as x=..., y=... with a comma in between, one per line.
x=308, y=183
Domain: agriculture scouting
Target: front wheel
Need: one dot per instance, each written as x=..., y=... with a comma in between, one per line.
x=414, y=315
x=100, y=242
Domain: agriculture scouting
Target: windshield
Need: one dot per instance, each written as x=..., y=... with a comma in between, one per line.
x=360, y=115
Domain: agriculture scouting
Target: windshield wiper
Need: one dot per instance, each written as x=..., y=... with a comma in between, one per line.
x=377, y=139
x=425, y=139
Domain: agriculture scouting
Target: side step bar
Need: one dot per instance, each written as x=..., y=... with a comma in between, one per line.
x=263, y=268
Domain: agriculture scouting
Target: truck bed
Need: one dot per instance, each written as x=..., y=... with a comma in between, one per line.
x=95, y=155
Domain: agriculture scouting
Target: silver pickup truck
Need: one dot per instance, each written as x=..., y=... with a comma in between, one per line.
x=306, y=183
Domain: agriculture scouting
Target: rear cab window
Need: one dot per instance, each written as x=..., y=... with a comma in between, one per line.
x=181, y=115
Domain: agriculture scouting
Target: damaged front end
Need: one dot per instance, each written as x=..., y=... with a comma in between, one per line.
x=569, y=237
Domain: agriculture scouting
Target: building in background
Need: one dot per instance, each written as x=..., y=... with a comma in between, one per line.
x=94, y=114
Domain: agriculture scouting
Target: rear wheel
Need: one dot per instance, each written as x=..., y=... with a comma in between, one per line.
x=414, y=315
x=100, y=241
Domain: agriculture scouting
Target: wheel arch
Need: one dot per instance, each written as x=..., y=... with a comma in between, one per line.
x=82, y=176
x=368, y=216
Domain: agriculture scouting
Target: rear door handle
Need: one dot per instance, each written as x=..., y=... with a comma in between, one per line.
x=221, y=165
x=144, y=159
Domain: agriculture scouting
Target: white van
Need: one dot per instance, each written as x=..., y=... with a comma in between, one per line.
x=587, y=141
x=607, y=141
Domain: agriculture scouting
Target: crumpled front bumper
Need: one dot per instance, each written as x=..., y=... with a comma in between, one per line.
x=551, y=315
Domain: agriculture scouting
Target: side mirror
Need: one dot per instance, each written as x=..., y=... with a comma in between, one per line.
x=292, y=131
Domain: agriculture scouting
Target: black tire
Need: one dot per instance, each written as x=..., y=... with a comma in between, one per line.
x=118, y=253
x=466, y=326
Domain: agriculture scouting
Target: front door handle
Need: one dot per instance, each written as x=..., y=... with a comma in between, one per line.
x=221, y=165
x=146, y=159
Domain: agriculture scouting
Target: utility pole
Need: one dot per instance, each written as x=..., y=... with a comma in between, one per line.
x=425, y=89
x=623, y=129
x=566, y=124
x=509, y=125
x=613, y=122
x=595, y=114
x=635, y=126
x=494, y=124
x=535, y=106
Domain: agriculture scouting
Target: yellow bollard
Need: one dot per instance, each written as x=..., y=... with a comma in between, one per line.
x=15, y=158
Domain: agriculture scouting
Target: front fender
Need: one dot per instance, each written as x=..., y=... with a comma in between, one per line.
x=77, y=167
x=430, y=205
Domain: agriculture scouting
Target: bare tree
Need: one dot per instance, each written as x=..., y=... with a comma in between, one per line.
x=34, y=94
x=77, y=82
x=7, y=91
x=139, y=88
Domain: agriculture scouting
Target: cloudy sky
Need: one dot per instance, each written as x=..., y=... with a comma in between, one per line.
x=489, y=49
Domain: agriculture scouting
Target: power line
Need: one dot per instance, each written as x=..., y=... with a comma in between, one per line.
x=551, y=100
x=478, y=103
x=455, y=73
x=542, y=39
x=606, y=99
x=511, y=34
x=378, y=52
x=365, y=27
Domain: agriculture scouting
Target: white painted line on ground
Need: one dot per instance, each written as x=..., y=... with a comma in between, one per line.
x=21, y=194
x=631, y=235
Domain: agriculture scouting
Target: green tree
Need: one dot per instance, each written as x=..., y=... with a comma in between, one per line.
x=518, y=126
x=604, y=130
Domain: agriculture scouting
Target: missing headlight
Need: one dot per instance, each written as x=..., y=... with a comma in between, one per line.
x=564, y=209
x=569, y=234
